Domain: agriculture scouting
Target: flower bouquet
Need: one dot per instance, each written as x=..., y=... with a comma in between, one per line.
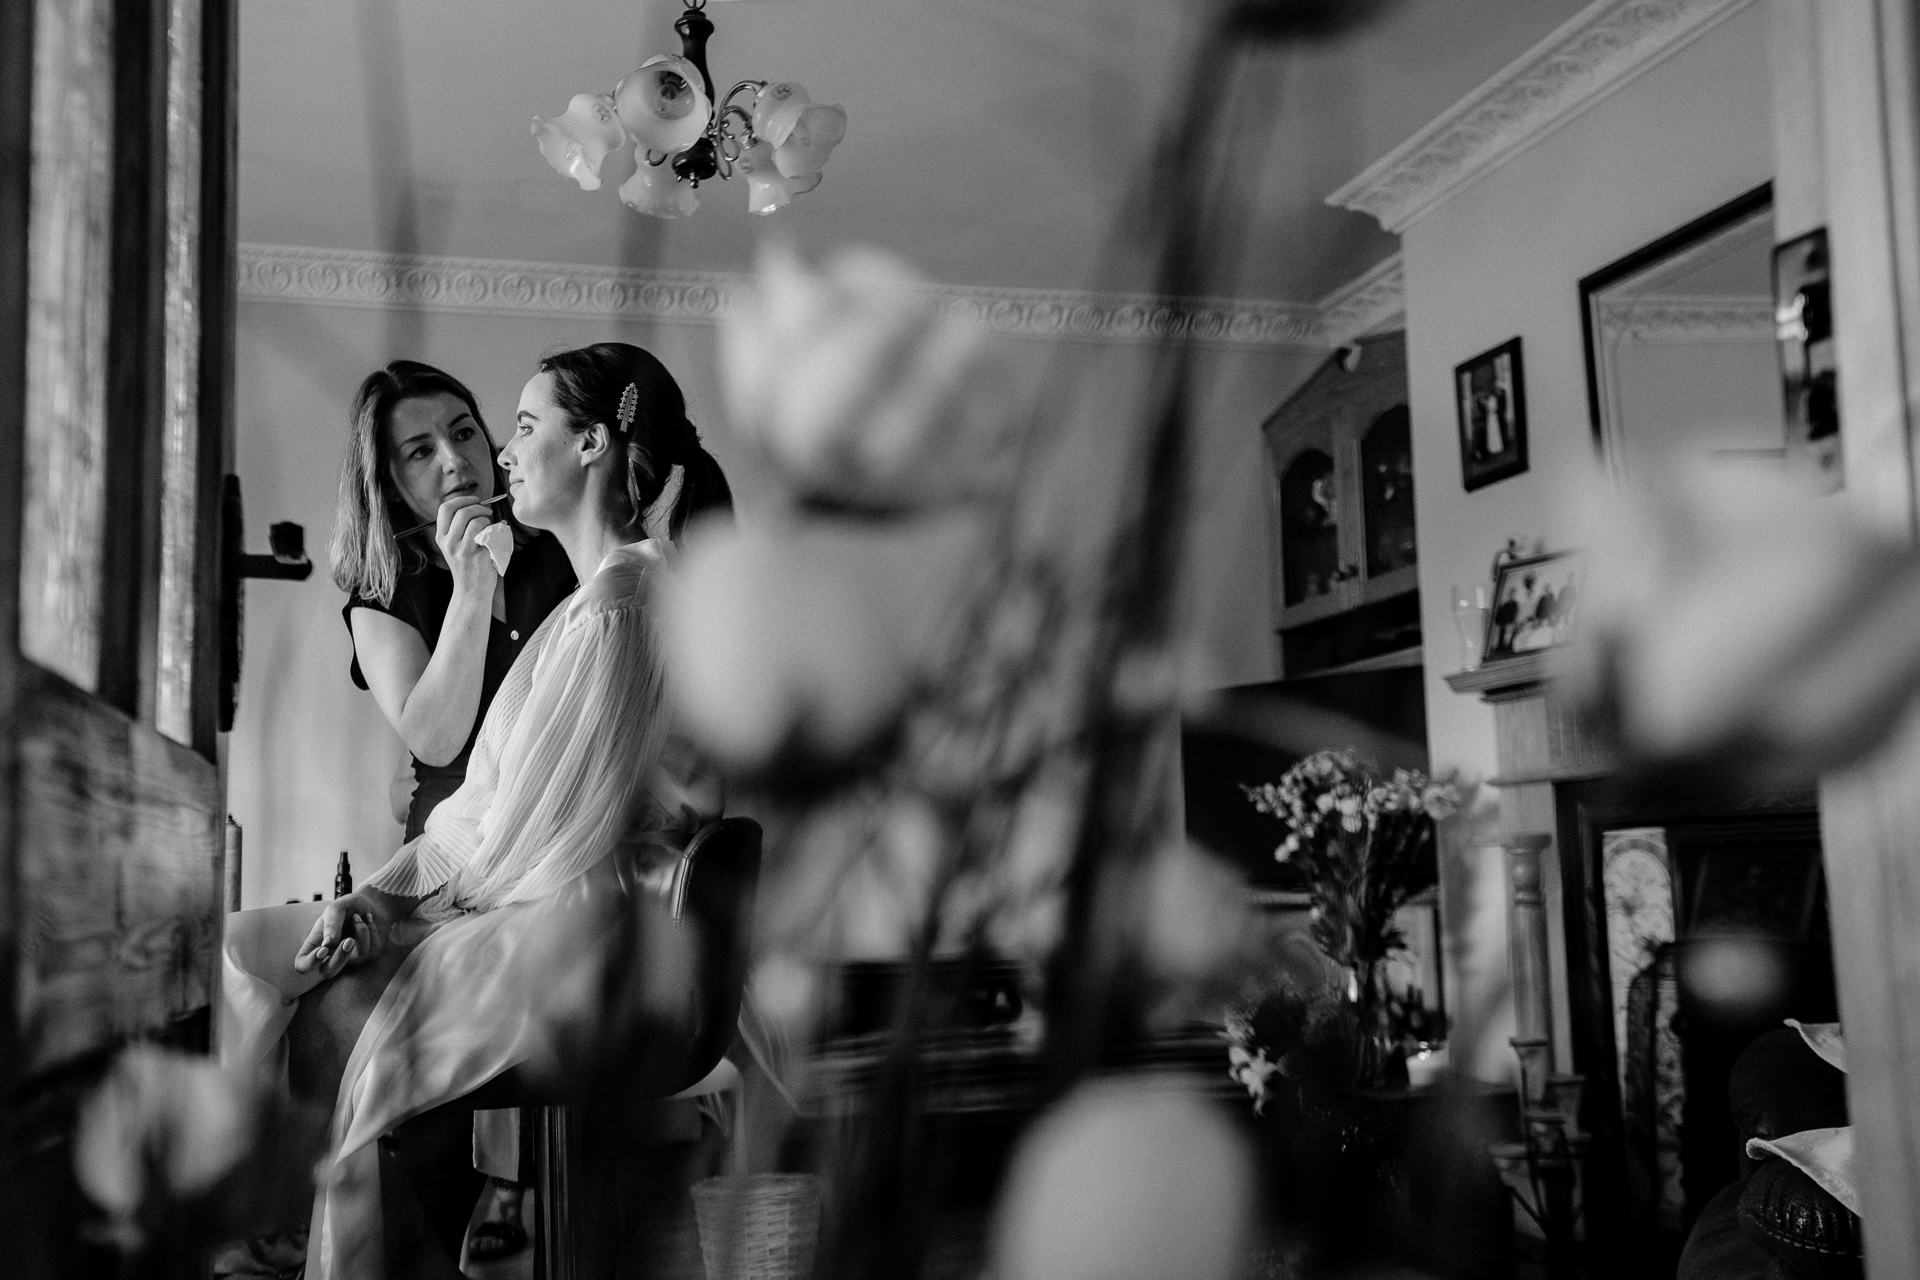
x=1365, y=844
x=1332, y=1154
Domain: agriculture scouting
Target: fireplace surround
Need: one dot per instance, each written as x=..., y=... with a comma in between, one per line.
x=1653, y=931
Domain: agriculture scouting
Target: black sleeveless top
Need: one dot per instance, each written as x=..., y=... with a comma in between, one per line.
x=538, y=577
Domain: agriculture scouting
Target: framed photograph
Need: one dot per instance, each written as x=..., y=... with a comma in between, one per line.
x=1536, y=604
x=1491, y=393
x=1803, y=312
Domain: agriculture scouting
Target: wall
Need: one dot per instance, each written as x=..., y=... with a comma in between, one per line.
x=1229, y=574
x=310, y=757
x=1504, y=256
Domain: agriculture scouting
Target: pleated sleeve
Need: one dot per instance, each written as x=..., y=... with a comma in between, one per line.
x=560, y=766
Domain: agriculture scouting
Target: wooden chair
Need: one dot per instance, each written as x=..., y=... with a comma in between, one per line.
x=713, y=892
x=683, y=1056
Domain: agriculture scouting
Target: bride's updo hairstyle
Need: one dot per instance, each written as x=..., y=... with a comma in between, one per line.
x=590, y=385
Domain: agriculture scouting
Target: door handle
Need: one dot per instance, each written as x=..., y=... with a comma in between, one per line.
x=287, y=558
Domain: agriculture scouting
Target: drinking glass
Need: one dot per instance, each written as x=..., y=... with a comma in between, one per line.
x=1470, y=620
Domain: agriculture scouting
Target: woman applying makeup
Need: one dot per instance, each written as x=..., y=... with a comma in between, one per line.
x=434, y=624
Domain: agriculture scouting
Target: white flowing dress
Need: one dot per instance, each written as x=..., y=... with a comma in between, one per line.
x=574, y=757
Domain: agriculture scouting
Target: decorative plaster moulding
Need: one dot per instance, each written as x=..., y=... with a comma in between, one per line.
x=348, y=278
x=1368, y=302
x=1599, y=50
x=1676, y=319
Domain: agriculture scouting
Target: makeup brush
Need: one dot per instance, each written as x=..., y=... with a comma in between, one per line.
x=422, y=528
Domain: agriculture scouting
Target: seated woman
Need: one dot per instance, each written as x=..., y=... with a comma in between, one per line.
x=436, y=968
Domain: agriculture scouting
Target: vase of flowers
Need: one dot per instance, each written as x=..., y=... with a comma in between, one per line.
x=1331, y=1150
x=1364, y=841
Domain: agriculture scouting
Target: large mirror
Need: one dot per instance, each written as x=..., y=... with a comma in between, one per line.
x=1681, y=358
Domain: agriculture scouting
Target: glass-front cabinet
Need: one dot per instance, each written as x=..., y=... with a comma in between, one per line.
x=1386, y=488
x=1340, y=459
x=1311, y=564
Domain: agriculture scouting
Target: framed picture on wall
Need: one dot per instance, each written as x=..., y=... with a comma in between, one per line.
x=1490, y=392
x=1803, y=312
x=1536, y=604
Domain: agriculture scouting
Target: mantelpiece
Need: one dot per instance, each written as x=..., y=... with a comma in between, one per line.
x=1539, y=736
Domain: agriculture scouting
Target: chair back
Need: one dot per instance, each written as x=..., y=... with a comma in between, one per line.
x=713, y=893
x=712, y=896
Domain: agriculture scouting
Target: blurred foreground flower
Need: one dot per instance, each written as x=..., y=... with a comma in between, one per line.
x=1736, y=621
x=1734, y=978
x=613, y=973
x=1132, y=1179
x=803, y=644
x=884, y=896
x=170, y=1140
x=1029, y=878
x=1196, y=920
x=861, y=393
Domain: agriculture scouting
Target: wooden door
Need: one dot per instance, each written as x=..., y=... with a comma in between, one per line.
x=115, y=366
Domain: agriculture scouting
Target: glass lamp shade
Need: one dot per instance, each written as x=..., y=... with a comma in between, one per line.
x=663, y=105
x=802, y=131
x=817, y=132
x=576, y=141
x=776, y=107
x=767, y=188
x=654, y=190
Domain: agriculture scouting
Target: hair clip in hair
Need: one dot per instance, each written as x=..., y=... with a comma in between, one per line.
x=629, y=404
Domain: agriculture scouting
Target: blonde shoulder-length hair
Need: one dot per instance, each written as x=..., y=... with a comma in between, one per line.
x=368, y=560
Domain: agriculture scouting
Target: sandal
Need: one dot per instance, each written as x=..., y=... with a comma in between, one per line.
x=491, y=1241
x=282, y=1256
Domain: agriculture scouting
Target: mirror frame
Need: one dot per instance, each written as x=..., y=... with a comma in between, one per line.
x=1707, y=225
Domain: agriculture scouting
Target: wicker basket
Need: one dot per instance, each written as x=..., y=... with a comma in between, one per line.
x=763, y=1227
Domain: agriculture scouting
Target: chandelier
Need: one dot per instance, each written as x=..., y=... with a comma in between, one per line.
x=773, y=134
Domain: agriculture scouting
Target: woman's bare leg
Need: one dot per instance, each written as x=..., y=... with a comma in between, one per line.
x=328, y=1025
x=320, y=1041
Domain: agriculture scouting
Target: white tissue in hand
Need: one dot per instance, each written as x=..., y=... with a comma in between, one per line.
x=498, y=540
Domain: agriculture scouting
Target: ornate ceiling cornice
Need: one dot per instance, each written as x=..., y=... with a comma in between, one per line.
x=1674, y=318
x=349, y=278
x=1363, y=304
x=352, y=278
x=1601, y=48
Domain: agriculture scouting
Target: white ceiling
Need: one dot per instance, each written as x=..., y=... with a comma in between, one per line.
x=988, y=140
